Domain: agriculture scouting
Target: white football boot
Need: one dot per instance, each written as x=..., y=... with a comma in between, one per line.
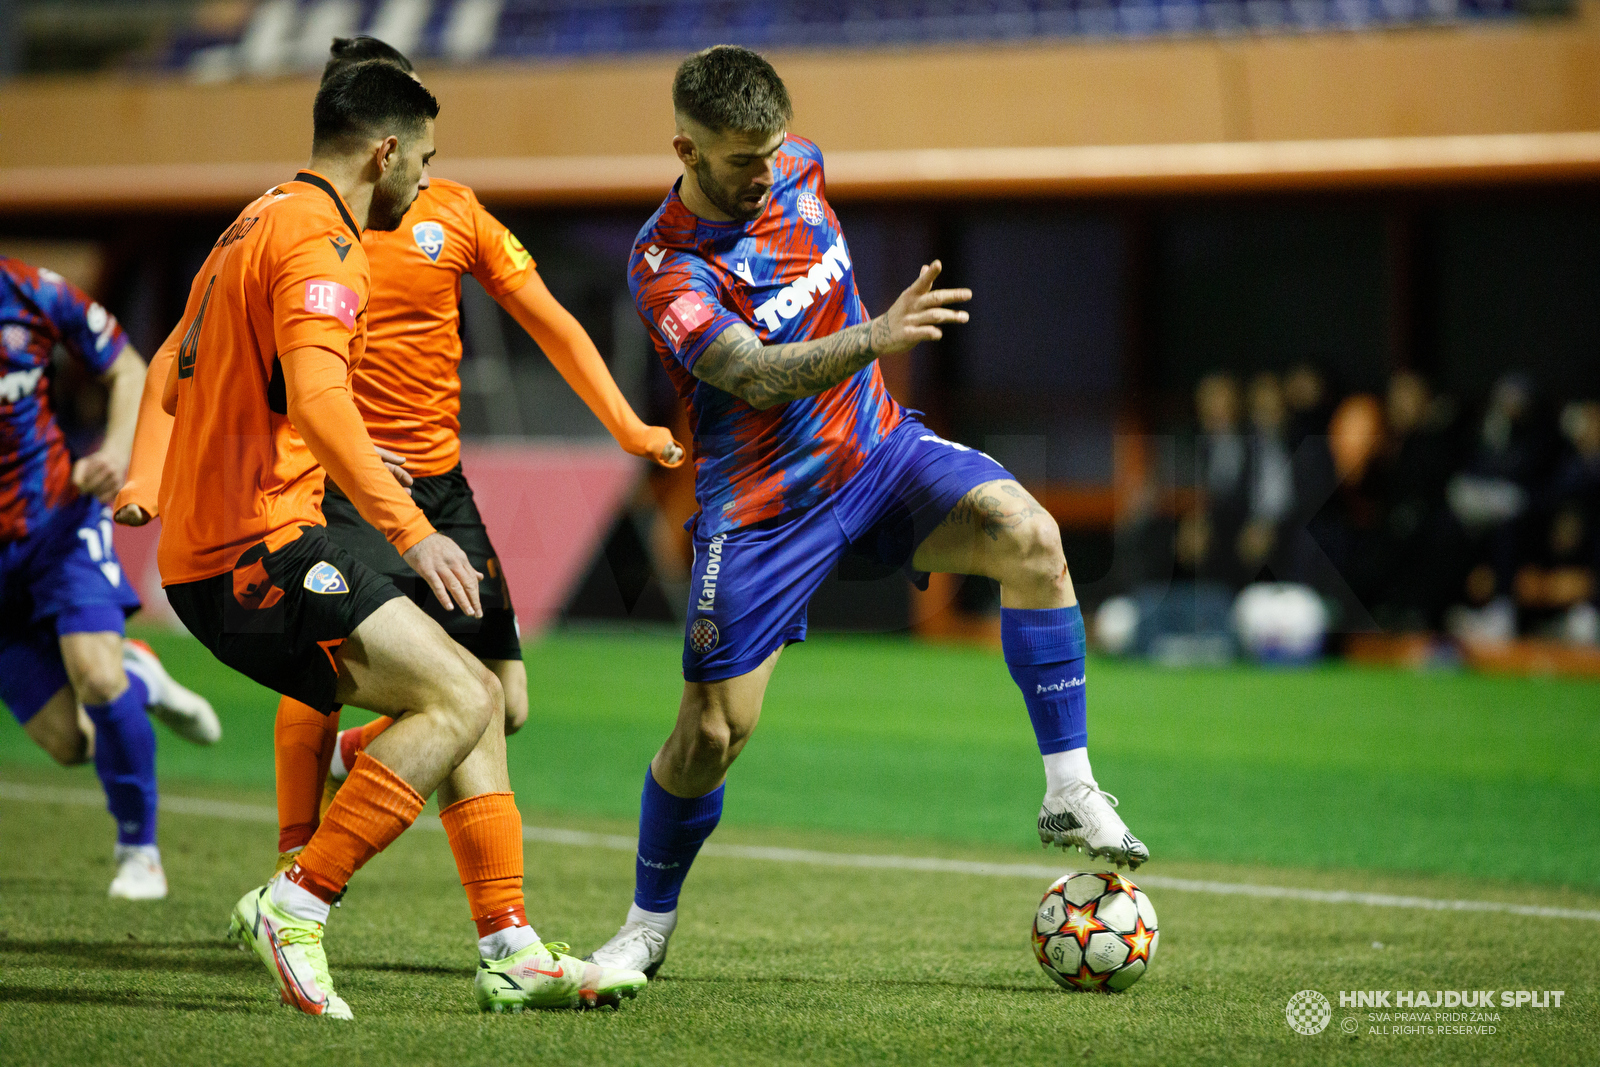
x=1082, y=816
x=635, y=947
x=139, y=874
x=183, y=711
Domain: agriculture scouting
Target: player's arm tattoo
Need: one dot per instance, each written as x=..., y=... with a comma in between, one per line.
x=764, y=375
x=994, y=508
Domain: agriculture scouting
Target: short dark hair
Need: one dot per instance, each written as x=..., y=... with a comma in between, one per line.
x=369, y=99
x=349, y=50
x=731, y=88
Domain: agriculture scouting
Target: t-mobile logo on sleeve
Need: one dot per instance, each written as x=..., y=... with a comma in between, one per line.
x=330, y=298
x=683, y=316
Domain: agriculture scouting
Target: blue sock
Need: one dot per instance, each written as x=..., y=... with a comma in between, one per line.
x=1044, y=652
x=671, y=831
x=125, y=760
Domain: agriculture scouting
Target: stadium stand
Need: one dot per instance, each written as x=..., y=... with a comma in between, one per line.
x=215, y=40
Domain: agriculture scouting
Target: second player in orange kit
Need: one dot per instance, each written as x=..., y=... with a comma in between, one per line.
x=258, y=381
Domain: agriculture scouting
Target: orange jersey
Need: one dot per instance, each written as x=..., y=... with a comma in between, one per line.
x=289, y=274
x=408, y=386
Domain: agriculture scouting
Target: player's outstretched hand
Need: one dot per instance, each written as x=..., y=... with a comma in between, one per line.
x=918, y=314
x=131, y=515
x=448, y=572
x=658, y=443
x=397, y=466
x=100, y=475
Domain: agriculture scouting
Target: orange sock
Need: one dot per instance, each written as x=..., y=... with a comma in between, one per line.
x=485, y=835
x=355, y=740
x=372, y=809
x=302, y=746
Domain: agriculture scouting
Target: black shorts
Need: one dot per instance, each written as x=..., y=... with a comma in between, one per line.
x=280, y=616
x=446, y=500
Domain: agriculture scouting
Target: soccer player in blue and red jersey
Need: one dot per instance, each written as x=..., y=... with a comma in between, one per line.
x=744, y=279
x=63, y=595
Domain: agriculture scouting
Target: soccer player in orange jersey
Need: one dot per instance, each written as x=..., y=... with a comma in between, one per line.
x=260, y=394
x=408, y=388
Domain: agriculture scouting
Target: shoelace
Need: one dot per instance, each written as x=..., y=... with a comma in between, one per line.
x=1085, y=787
x=641, y=932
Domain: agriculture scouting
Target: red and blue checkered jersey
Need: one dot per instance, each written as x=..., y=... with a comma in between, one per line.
x=788, y=276
x=39, y=309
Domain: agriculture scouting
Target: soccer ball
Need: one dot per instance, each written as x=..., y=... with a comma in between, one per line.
x=1095, y=931
x=1280, y=623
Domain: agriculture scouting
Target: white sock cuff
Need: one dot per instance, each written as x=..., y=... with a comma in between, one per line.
x=662, y=922
x=506, y=942
x=1063, y=768
x=124, y=851
x=299, y=901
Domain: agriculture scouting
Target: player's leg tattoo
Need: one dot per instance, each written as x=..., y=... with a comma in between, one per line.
x=994, y=508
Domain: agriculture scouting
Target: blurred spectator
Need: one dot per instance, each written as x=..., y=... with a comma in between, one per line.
x=1310, y=402
x=1270, y=483
x=1342, y=554
x=1205, y=537
x=1416, y=461
x=1555, y=584
x=1508, y=463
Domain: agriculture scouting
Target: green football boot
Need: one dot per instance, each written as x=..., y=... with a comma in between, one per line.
x=544, y=976
x=291, y=949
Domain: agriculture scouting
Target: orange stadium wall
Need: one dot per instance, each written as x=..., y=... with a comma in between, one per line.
x=597, y=131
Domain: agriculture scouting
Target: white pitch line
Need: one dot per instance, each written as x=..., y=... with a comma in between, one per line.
x=222, y=809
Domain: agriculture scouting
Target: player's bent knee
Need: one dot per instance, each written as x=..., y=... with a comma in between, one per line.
x=713, y=739
x=98, y=680
x=1029, y=554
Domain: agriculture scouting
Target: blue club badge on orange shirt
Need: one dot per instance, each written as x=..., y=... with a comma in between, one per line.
x=325, y=578
x=430, y=238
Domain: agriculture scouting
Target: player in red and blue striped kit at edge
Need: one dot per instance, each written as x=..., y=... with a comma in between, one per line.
x=63, y=594
x=745, y=281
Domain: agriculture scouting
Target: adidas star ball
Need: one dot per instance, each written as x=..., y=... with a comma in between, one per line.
x=1095, y=931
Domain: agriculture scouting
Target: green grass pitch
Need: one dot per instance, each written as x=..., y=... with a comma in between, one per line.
x=1443, y=786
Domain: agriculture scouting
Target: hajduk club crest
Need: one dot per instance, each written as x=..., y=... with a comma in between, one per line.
x=809, y=206
x=703, y=636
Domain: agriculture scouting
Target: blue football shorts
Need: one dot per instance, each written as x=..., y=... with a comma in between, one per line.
x=749, y=588
x=63, y=578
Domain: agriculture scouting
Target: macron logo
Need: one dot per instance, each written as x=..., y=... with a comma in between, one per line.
x=1060, y=687
x=654, y=256
x=792, y=298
